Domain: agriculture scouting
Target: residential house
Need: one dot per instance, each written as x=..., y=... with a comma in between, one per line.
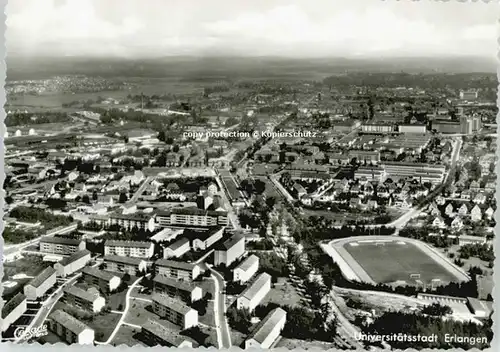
x=70, y=329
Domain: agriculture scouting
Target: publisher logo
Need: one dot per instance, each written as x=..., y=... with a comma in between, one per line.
x=27, y=334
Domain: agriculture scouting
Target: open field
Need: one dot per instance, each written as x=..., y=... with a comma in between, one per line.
x=387, y=259
x=125, y=336
x=283, y=293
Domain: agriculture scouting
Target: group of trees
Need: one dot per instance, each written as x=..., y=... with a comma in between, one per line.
x=31, y=214
x=483, y=251
x=21, y=118
x=416, y=324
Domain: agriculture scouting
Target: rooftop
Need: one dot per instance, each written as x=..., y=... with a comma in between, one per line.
x=252, y=290
x=264, y=328
x=42, y=277
x=69, y=322
x=172, y=303
x=134, y=244
x=74, y=257
x=12, y=304
x=123, y=260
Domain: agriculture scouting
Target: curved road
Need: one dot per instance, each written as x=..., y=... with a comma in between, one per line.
x=124, y=313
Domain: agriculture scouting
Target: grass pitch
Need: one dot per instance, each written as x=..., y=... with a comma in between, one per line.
x=393, y=261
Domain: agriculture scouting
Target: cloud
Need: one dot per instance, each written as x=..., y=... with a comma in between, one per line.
x=299, y=29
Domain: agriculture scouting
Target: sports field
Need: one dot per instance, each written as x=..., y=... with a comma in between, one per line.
x=387, y=262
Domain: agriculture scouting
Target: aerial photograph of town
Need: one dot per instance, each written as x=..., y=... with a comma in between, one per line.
x=173, y=177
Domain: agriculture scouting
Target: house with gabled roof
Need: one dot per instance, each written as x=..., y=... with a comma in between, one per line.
x=476, y=214
x=457, y=224
x=439, y=222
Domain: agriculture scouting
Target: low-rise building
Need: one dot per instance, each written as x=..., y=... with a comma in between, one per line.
x=40, y=284
x=105, y=281
x=13, y=310
x=70, y=329
x=87, y=300
x=268, y=330
x=174, y=311
x=73, y=263
x=177, y=249
x=128, y=265
x=246, y=269
x=185, y=290
x=207, y=238
x=137, y=249
x=253, y=295
x=61, y=245
x=177, y=270
x=158, y=334
x=230, y=250
x=467, y=239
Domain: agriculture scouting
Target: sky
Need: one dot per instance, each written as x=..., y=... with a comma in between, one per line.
x=300, y=28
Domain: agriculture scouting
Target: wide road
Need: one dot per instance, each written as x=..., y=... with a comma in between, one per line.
x=220, y=310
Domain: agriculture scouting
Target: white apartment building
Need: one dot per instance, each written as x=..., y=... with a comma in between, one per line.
x=255, y=293
x=246, y=269
x=136, y=249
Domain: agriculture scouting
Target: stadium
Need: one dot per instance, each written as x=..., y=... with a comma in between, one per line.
x=393, y=260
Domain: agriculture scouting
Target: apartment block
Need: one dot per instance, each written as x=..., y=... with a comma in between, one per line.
x=230, y=250
x=39, y=285
x=185, y=290
x=128, y=265
x=174, y=311
x=177, y=249
x=246, y=269
x=70, y=329
x=89, y=300
x=73, y=263
x=268, y=330
x=177, y=270
x=61, y=245
x=13, y=310
x=159, y=334
x=255, y=293
x=105, y=281
x=134, y=249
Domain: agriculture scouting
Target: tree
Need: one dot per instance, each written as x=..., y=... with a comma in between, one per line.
x=123, y=198
x=437, y=310
x=86, y=199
